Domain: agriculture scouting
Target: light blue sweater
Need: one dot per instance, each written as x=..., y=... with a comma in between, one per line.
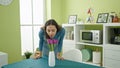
x=43, y=46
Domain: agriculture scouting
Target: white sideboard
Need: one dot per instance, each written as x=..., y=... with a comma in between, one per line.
x=110, y=57
x=3, y=59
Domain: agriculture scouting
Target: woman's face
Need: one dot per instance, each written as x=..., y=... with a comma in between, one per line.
x=51, y=30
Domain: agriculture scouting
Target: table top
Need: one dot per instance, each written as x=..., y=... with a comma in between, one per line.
x=43, y=63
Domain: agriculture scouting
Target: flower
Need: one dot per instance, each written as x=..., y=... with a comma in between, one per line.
x=55, y=41
x=52, y=43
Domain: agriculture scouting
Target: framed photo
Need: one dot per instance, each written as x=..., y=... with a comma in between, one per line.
x=102, y=17
x=72, y=19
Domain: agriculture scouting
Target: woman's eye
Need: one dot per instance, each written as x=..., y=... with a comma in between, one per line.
x=48, y=30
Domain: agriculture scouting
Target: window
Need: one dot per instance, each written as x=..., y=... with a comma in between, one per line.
x=31, y=19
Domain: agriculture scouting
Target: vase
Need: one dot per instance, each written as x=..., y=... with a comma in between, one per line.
x=51, y=60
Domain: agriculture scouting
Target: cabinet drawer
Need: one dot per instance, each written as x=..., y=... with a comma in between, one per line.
x=112, y=47
x=109, y=63
x=112, y=54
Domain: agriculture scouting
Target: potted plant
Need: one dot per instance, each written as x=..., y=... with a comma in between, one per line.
x=52, y=43
x=27, y=54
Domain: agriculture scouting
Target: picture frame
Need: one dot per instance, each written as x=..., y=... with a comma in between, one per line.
x=72, y=19
x=102, y=17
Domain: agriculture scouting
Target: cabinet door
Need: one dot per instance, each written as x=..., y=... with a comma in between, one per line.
x=110, y=63
x=68, y=45
x=112, y=54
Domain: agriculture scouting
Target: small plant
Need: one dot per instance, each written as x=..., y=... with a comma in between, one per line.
x=27, y=54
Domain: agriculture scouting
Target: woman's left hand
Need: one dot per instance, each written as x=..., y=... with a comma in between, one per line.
x=59, y=56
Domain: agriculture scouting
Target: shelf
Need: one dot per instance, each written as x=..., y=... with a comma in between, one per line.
x=113, y=44
x=100, y=45
x=112, y=24
x=68, y=25
x=91, y=63
x=89, y=23
x=106, y=24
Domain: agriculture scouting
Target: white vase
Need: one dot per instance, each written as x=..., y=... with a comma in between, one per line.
x=51, y=60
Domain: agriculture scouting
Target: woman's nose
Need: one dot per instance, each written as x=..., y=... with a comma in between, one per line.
x=51, y=33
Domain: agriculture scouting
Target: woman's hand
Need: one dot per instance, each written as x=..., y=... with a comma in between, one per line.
x=38, y=54
x=59, y=56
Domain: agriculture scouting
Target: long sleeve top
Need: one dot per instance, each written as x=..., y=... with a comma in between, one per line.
x=43, y=46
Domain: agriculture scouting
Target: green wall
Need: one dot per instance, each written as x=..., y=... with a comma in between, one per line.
x=54, y=10
x=10, y=31
x=56, y=4
x=64, y=8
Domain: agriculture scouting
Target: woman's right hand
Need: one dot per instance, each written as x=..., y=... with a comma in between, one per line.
x=38, y=54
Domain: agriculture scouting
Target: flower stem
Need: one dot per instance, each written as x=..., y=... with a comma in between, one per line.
x=52, y=48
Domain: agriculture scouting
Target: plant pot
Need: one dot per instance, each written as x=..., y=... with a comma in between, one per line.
x=27, y=54
x=51, y=59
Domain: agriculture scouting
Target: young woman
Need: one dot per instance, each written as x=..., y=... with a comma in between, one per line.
x=51, y=30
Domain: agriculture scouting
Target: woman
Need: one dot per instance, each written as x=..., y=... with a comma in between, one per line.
x=51, y=30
